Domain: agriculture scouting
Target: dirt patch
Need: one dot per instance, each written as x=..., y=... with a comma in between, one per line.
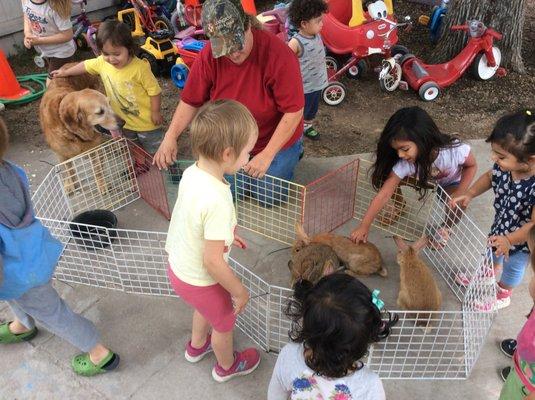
x=468, y=108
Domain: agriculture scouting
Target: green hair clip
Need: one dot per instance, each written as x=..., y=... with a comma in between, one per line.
x=376, y=300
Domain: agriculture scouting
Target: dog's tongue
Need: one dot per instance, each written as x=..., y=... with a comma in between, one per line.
x=116, y=133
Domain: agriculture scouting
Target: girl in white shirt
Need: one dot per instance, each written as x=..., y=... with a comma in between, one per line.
x=411, y=145
x=333, y=323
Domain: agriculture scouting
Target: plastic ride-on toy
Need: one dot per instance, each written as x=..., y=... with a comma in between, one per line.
x=429, y=79
x=351, y=35
x=158, y=49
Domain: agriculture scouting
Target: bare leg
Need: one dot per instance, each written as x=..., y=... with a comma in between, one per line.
x=223, y=348
x=199, y=330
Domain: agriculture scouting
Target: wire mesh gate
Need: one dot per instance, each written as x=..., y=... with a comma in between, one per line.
x=117, y=173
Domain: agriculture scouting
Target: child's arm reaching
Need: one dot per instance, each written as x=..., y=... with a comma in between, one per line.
x=467, y=174
x=480, y=186
x=220, y=271
x=360, y=234
x=77, y=69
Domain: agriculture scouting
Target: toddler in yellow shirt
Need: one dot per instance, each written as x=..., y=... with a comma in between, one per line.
x=132, y=89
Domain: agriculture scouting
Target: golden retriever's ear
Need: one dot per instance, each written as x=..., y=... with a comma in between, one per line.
x=68, y=112
x=73, y=118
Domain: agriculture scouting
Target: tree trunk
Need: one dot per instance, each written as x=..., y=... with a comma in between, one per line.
x=504, y=16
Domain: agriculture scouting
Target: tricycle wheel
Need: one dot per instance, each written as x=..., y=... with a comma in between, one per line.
x=153, y=62
x=357, y=70
x=390, y=82
x=399, y=49
x=429, y=91
x=334, y=93
x=331, y=63
x=481, y=70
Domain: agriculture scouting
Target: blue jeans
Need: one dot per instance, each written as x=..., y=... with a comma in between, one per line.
x=268, y=191
x=513, y=268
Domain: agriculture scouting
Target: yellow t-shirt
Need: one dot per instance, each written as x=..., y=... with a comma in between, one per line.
x=128, y=90
x=203, y=211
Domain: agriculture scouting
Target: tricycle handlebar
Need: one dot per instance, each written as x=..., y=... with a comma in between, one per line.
x=494, y=34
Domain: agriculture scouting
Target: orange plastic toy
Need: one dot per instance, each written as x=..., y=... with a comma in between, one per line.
x=10, y=88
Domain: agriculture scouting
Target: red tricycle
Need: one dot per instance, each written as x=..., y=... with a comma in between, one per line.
x=429, y=80
x=351, y=35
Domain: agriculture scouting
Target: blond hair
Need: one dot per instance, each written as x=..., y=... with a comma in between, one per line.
x=219, y=125
x=4, y=139
x=62, y=7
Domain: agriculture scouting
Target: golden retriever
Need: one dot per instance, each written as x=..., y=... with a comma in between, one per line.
x=72, y=114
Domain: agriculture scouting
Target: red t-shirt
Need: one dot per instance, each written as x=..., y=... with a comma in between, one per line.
x=268, y=83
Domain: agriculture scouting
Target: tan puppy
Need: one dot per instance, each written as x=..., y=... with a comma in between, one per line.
x=72, y=113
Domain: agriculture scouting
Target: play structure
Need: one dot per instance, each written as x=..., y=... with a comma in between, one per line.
x=428, y=80
x=134, y=260
x=19, y=89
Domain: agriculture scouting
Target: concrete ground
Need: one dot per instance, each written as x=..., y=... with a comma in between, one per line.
x=149, y=332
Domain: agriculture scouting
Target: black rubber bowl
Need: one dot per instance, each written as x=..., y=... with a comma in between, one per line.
x=100, y=234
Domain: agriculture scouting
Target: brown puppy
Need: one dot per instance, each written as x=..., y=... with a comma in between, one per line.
x=71, y=113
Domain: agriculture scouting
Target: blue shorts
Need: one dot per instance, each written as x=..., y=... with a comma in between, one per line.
x=312, y=101
x=513, y=268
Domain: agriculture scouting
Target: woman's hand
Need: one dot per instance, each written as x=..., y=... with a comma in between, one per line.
x=166, y=154
x=360, y=234
x=258, y=165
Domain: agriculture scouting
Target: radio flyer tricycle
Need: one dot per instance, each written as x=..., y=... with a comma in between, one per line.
x=479, y=54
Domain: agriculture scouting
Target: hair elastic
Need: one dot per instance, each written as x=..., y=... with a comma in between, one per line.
x=376, y=300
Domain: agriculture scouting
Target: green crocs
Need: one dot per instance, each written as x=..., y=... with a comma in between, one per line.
x=82, y=364
x=311, y=133
x=7, y=337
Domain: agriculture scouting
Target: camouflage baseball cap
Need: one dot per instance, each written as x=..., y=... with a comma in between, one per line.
x=222, y=21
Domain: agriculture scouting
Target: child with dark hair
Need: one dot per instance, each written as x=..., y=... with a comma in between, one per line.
x=520, y=378
x=512, y=179
x=411, y=145
x=28, y=257
x=131, y=87
x=307, y=17
x=333, y=323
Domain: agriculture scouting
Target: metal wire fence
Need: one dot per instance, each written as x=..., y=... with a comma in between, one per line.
x=135, y=261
